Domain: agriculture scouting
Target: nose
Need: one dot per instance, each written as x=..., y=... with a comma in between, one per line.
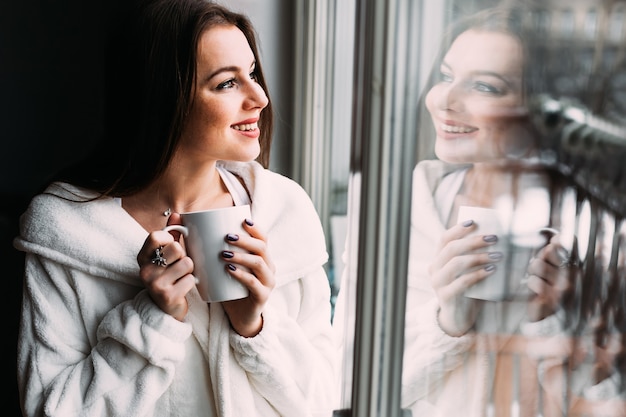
x=255, y=96
x=449, y=97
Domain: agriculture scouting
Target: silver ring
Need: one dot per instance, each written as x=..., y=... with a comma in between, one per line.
x=569, y=263
x=159, y=259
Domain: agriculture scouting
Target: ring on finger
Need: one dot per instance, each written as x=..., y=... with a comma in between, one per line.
x=158, y=258
x=569, y=263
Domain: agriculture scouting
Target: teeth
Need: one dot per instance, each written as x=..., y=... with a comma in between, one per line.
x=456, y=129
x=246, y=127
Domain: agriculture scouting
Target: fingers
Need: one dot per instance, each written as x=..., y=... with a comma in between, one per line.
x=551, y=264
x=166, y=273
x=169, y=251
x=252, y=266
x=456, y=242
x=465, y=281
x=464, y=271
x=550, y=276
x=255, y=270
x=457, y=231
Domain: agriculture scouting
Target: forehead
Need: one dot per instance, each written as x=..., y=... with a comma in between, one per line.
x=223, y=45
x=481, y=50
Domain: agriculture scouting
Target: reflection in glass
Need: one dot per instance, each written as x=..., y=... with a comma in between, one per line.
x=521, y=135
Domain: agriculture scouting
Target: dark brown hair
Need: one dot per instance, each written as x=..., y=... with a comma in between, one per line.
x=513, y=20
x=151, y=57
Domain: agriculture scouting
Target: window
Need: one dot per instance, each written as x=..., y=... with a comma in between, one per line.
x=562, y=178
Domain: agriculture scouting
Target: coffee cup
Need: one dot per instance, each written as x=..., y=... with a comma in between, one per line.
x=517, y=248
x=205, y=239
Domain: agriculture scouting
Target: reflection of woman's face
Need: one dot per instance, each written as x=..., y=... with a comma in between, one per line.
x=477, y=101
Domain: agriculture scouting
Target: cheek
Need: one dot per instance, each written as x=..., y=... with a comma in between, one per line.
x=200, y=126
x=506, y=137
x=520, y=141
x=210, y=113
x=206, y=115
x=429, y=101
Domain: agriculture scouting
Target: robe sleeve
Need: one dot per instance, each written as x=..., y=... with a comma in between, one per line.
x=66, y=368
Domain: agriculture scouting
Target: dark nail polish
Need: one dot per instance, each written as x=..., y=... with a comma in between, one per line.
x=490, y=268
x=468, y=223
x=231, y=267
x=249, y=222
x=490, y=238
x=227, y=254
x=496, y=256
x=232, y=237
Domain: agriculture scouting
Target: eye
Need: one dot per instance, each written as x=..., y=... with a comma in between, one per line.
x=486, y=88
x=254, y=76
x=226, y=84
x=444, y=77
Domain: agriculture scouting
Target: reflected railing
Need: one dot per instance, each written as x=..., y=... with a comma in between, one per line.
x=580, y=371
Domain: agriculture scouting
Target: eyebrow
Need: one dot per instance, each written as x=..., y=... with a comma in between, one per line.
x=497, y=75
x=227, y=69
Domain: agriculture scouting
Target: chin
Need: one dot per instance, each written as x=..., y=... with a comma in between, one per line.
x=246, y=157
x=450, y=157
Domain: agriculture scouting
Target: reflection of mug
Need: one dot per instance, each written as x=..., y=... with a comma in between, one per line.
x=205, y=239
x=517, y=250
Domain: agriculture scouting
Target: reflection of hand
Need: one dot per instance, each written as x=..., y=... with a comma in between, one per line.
x=245, y=314
x=551, y=276
x=460, y=263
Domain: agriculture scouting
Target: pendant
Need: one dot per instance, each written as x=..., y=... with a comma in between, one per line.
x=167, y=212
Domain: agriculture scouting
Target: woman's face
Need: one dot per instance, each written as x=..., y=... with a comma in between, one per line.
x=477, y=104
x=222, y=123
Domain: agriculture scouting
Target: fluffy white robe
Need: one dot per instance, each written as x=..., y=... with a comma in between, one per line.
x=92, y=342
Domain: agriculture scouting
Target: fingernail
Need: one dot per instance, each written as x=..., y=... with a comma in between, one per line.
x=490, y=268
x=467, y=223
x=490, y=238
x=232, y=237
x=496, y=256
x=227, y=254
x=563, y=254
x=249, y=222
x=231, y=267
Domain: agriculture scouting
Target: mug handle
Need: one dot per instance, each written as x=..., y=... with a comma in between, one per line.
x=178, y=228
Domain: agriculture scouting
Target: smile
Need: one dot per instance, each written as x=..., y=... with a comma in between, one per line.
x=246, y=127
x=457, y=129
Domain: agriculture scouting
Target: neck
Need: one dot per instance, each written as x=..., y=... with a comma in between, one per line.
x=201, y=191
x=484, y=183
x=179, y=193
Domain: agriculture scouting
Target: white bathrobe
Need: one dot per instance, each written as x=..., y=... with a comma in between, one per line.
x=92, y=342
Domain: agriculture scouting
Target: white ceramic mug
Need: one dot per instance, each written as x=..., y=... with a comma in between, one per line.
x=205, y=239
x=507, y=281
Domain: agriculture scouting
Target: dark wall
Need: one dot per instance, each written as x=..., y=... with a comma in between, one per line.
x=51, y=89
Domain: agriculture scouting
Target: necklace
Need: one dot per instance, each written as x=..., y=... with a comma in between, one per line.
x=167, y=212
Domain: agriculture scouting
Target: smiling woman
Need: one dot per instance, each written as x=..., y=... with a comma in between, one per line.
x=228, y=100
x=478, y=98
x=112, y=321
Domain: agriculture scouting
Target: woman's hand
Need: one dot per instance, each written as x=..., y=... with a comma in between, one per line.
x=461, y=262
x=245, y=314
x=551, y=275
x=167, y=284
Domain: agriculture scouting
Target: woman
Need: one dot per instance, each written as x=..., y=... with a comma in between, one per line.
x=109, y=330
x=460, y=344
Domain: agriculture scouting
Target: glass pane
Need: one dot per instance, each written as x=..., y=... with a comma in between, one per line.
x=516, y=302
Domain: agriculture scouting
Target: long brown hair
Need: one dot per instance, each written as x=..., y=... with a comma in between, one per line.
x=150, y=79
